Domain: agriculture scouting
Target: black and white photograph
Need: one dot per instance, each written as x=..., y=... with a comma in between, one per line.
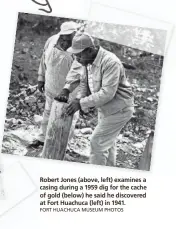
x=84, y=91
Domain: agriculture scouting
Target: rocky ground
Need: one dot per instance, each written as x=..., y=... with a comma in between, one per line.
x=24, y=117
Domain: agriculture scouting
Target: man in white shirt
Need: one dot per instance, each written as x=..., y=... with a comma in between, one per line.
x=103, y=85
x=54, y=67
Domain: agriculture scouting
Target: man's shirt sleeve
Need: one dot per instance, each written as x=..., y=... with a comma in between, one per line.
x=42, y=66
x=42, y=69
x=110, y=82
x=73, y=76
x=66, y=64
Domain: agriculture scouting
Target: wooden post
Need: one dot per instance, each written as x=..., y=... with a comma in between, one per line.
x=57, y=132
x=145, y=160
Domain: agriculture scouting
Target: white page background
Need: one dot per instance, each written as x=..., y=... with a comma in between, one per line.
x=158, y=209
x=17, y=186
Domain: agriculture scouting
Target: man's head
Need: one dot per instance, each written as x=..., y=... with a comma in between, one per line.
x=85, y=48
x=67, y=32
